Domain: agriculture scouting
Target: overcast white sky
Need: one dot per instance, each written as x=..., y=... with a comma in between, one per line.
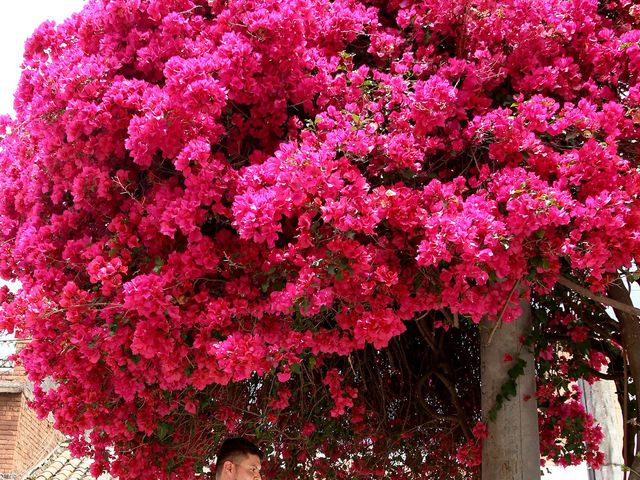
x=17, y=20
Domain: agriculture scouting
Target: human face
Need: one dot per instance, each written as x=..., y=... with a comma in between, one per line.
x=248, y=468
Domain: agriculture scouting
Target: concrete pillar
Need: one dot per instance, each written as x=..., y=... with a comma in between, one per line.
x=601, y=401
x=512, y=449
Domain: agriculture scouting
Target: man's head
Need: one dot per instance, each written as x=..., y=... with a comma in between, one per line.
x=238, y=459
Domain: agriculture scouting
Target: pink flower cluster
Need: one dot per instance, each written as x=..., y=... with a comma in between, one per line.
x=199, y=193
x=568, y=434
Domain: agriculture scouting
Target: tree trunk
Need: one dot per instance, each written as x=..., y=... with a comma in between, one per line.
x=630, y=326
x=512, y=449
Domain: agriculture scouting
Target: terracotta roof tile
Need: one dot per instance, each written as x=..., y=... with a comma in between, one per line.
x=60, y=465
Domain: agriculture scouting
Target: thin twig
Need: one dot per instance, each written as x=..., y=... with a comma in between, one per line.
x=504, y=309
x=191, y=9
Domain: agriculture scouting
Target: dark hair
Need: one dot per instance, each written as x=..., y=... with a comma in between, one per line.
x=233, y=447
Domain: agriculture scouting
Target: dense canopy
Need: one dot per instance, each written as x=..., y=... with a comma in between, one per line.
x=286, y=218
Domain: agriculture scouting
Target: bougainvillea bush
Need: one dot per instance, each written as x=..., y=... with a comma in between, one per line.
x=285, y=218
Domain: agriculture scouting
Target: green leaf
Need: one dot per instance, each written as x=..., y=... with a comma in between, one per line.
x=158, y=262
x=508, y=390
x=517, y=369
x=163, y=430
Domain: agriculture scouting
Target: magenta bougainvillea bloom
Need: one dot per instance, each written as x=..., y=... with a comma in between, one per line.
x=222, y=212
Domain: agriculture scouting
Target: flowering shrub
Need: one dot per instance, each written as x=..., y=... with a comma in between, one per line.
x=235, y=215
x=568, y=434
x=576, y=342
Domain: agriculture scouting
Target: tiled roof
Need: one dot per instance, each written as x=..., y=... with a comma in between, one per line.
x=60, y=465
